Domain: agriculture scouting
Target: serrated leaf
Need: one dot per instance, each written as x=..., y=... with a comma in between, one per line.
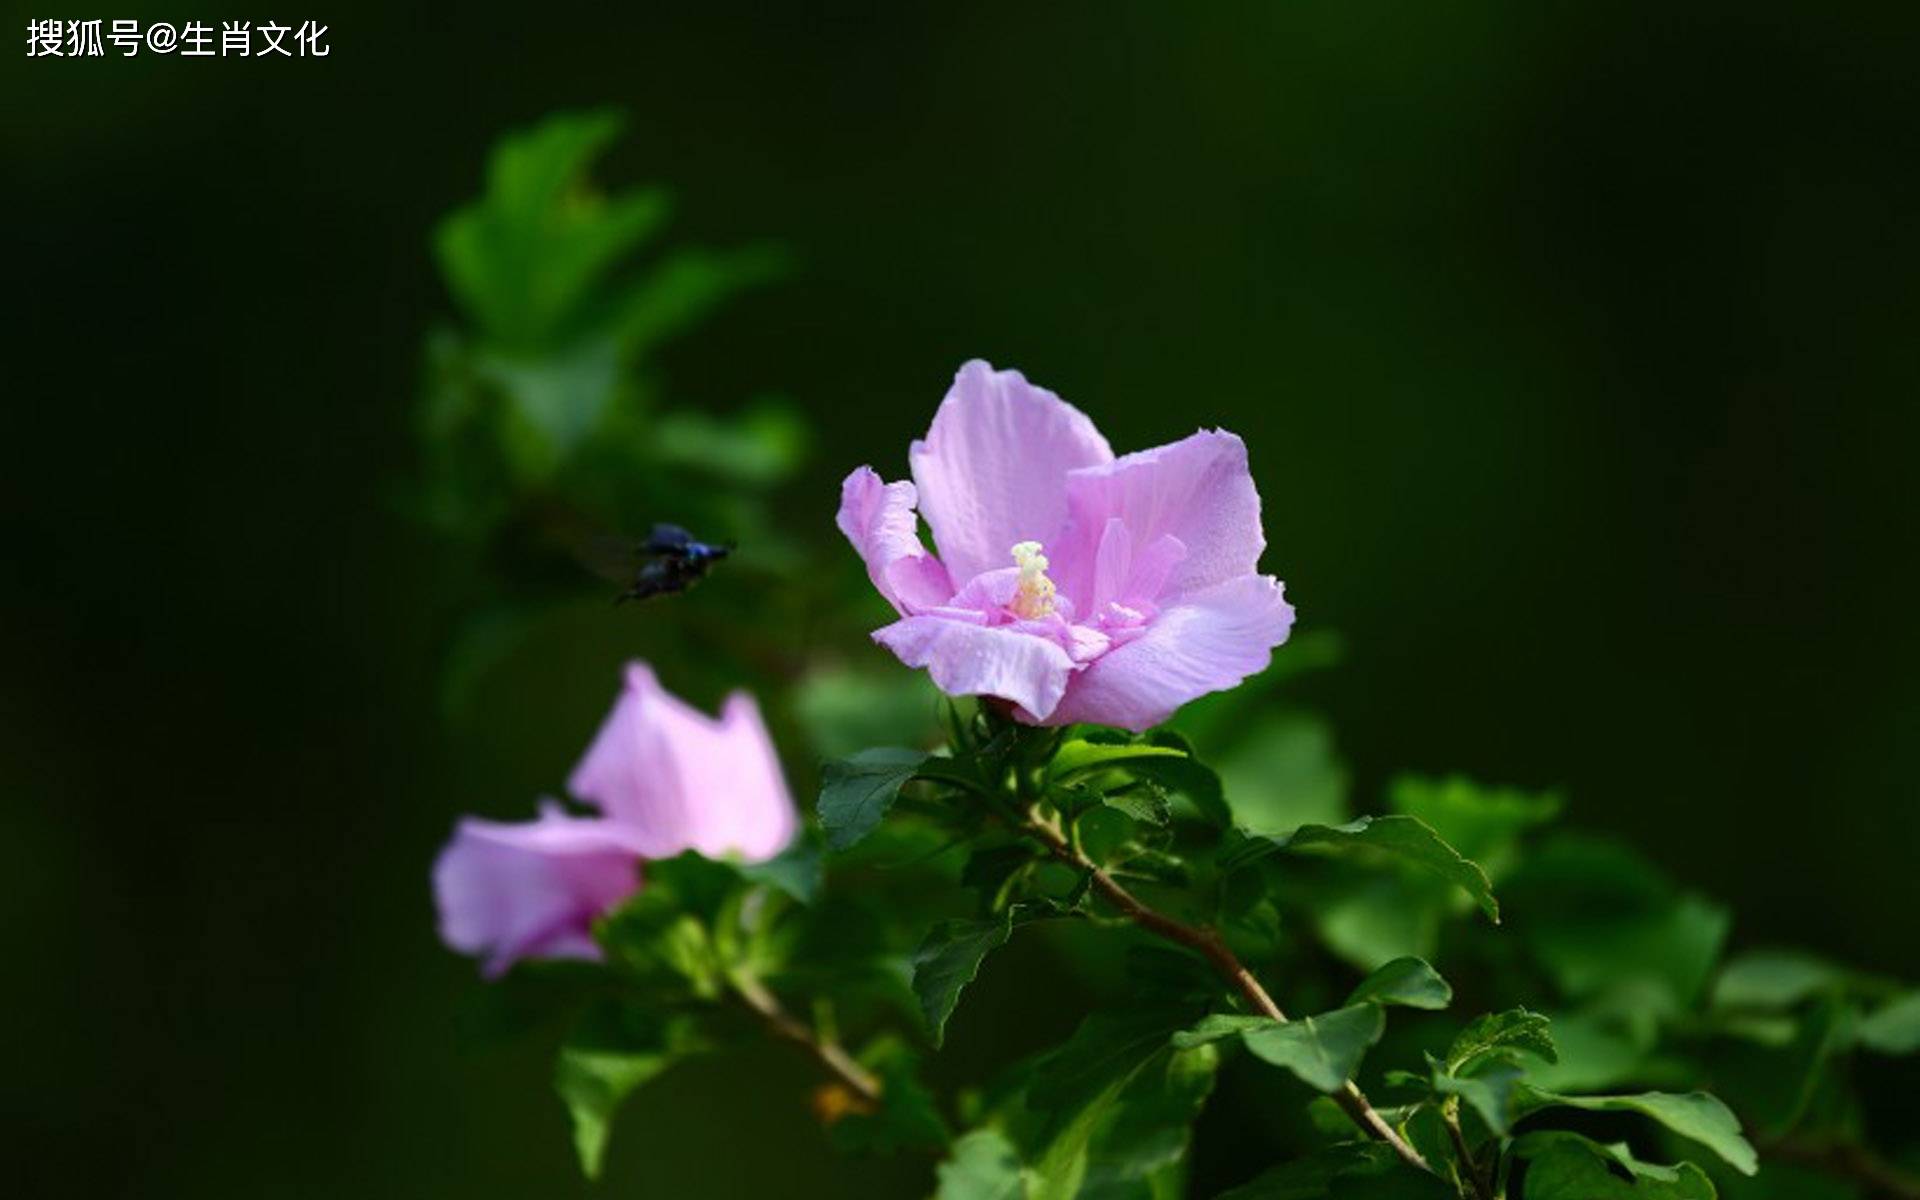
x=1405, y=839
x=1147, y=804
x=1696, y=1116
x=1894, y=1027
x=855, y=793
x=1566, y=1166
x=1499, y=1036
x=1405, y=981
x=1483, y=823
x=948, y=959
x=1323, y=1051
x=983, y=1165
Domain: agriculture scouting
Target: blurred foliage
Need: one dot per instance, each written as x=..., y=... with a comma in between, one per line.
x=1539, y=1013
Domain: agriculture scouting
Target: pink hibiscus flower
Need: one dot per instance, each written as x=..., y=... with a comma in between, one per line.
x=1072, y=584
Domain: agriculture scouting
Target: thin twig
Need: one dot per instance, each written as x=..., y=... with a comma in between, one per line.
x=1210, y=945
x=828, y=1054
x=1450, y=1114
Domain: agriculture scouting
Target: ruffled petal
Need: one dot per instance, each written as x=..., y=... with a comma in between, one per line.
x=1197, y=490
x=992, y=468
x=508, y=891
x=966, y=659
x=680, y=780
x=879, y=519
x=1208, y=642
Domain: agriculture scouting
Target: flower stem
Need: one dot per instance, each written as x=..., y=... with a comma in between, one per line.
x=1210, y=945
x=1450, y=1114
x=828, y=1053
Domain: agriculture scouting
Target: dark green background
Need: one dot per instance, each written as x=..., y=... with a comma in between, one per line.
x=1575, y=345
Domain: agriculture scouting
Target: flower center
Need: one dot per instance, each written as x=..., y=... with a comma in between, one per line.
x=1033, y=598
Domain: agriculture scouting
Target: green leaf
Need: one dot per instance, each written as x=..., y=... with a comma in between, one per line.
x=1140, y=1148
x=1405, y=839
x=1696, y=1116
x=983, y=1165
x=1078, y=756
x=1104, y=1047
x=948, y=959
x=908, y=1116
x=1500, y=1037
x=1086, y=1085
x=1407, y=981
x=1566, y=1166
x=612, y=1052
x=798, y=870
x=1146, y=804
x=1489, y=1090
x=1482, y=823
x=592, y=1084
x=1346, y=1171
x=1601, y=919
x=1102, y=832
x=1283, y=773
x=1324, y=1051
x=855, y=793
x=1772, y=979
x=1893, y=1028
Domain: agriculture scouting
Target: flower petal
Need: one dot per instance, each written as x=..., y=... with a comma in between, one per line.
x=1208, y=642
x=532, y=889
x=966, y=659
x=992, y=467
x=1197, y=490
x=680, y=780
x=878, y=518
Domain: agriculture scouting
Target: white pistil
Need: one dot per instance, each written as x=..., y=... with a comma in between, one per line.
x=1033, y=598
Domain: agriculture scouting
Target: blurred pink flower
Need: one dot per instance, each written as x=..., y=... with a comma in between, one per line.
x=532, y=889
x=1154, y=596
x=681, y=780
x=666, y=778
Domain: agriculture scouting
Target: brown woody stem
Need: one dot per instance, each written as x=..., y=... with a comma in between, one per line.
x=1210, y=946
x=829, y=1054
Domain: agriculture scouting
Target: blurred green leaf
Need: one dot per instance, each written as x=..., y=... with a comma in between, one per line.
x=1283, y=774
x=1407, y=981
x=1894, y=1027
x=1600, y=918
x=856, y=792
x=612, y=1052
x=1772, y=979
x=798, y=870
x=983, y=1165
x=908, y=1116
